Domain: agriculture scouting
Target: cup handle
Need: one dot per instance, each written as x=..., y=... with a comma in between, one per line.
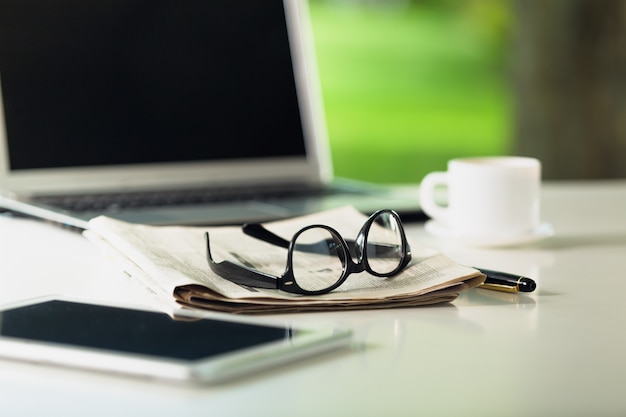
x=427, y=196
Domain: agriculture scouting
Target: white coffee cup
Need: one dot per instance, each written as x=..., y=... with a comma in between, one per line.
x=487, y=197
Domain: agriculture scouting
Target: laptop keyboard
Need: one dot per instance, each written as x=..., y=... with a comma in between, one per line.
x=119, y=201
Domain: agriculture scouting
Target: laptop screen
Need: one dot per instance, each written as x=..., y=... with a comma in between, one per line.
x=110, y=82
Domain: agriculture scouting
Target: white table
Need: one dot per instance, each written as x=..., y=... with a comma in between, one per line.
x=560, y=351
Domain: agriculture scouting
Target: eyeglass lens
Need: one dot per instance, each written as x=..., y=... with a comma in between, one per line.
x=384, y=244
x=318, y=259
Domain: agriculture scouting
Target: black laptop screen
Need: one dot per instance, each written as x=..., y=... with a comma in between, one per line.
x=102, y=82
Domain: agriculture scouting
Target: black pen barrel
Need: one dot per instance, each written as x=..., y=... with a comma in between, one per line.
x=516, y=282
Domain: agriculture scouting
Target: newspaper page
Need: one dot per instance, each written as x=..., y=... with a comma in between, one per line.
x=171, y=262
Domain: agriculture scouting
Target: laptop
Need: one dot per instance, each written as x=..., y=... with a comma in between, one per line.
x=189, y=112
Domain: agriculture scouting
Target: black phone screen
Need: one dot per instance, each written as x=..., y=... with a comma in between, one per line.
x=133, y=331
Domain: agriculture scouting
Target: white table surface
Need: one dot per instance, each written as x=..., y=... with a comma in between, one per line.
x=560, y=351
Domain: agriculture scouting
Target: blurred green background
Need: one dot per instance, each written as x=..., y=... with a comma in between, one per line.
x=408, y=85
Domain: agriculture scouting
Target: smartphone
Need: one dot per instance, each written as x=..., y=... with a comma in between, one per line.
x=191, y=347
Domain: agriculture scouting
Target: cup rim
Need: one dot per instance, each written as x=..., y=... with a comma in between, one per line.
x=497, y=161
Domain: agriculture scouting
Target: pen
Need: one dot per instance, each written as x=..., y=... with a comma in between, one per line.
x=502, y=281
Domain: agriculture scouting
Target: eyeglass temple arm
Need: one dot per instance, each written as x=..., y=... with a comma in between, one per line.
x=257, y=230
x=239, y=274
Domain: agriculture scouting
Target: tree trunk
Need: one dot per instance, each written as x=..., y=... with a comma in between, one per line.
x=570, y=86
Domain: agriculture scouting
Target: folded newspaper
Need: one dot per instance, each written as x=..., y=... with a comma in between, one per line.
x=171, y=263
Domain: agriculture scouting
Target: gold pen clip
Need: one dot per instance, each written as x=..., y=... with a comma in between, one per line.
x=499, y=287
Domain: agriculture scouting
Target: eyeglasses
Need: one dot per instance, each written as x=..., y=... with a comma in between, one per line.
x=319, y=259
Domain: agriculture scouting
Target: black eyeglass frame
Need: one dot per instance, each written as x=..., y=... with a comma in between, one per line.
x=246, y=276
